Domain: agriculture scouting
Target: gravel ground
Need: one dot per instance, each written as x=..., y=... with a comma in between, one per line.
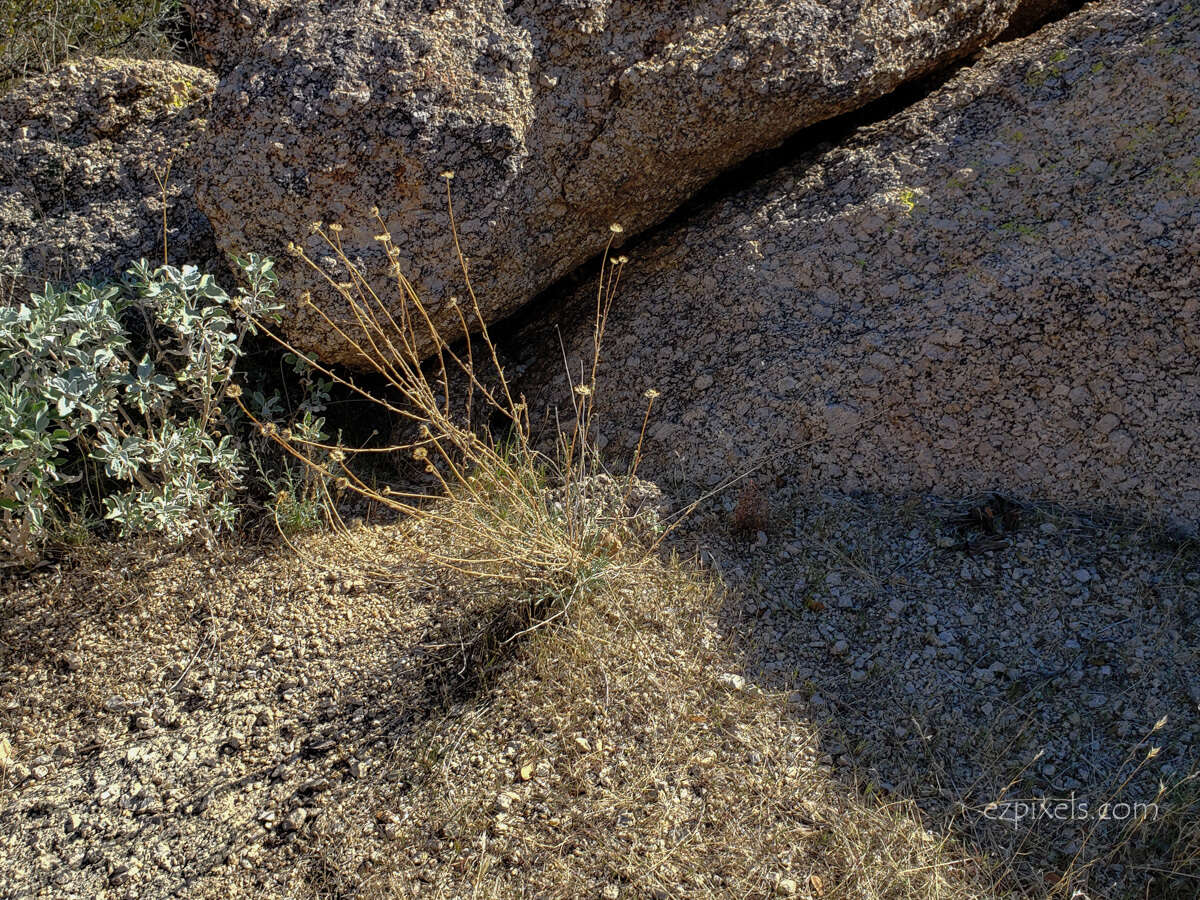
x=173, y=716
x=270, y=725
x=964, y=676
x=267, y=724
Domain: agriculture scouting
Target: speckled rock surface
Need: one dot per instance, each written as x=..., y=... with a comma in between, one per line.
x=557, y=118
x=997, y=288
x=79, y=150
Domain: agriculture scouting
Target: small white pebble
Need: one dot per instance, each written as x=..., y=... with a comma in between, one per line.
x=732, y=681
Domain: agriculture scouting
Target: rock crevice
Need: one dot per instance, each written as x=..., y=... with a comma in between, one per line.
x=994, y=289
x=557, y=119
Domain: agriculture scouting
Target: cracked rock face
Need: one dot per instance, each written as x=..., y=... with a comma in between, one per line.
x=557, y=118
x=997, y=288
x=81, y=151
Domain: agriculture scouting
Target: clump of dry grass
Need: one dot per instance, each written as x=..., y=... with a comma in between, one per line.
x=542, y=523
x=609, y=754
x=615, y=752
x=619, y=757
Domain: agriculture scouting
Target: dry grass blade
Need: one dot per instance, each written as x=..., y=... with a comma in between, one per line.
x=546, y=523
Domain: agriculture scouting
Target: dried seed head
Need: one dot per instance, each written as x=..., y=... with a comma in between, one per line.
x=335, y=227
x=583, y=390
x=375, y=211
x=621, y=260
x=448, y=174
x=306, y=298
x=616, y=229
x=651, y=394
x=316, y=226
x=752, y=512
x=338, y=455
x=420, y=453
x=342, y=483
x=234, y=391
x=384, y=238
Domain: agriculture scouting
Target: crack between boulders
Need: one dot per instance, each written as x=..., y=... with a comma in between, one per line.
x=804, y=144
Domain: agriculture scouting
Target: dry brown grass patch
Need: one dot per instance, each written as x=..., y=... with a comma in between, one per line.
x=618, y=752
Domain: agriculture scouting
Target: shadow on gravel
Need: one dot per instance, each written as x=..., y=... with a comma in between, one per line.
x=1009, y=667
x=183, y=714
x=359, y=748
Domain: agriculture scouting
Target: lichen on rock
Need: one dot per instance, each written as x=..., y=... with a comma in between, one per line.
x=82, y=153
x=995, y=289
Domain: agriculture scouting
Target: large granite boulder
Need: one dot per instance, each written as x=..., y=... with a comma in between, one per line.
x=81, y=154
x=998, y=288
x=558, y=118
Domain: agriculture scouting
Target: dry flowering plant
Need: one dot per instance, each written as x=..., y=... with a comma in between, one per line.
x=508, y=510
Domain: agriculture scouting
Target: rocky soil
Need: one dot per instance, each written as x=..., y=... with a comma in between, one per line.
x=175, y=718
x=984, y=652
x=267, y=724
x=259, y=724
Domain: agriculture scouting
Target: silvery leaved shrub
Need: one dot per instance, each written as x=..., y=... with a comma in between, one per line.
x=120, y=386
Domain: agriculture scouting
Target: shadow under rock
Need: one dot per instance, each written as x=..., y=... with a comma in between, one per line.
x=982, y=675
